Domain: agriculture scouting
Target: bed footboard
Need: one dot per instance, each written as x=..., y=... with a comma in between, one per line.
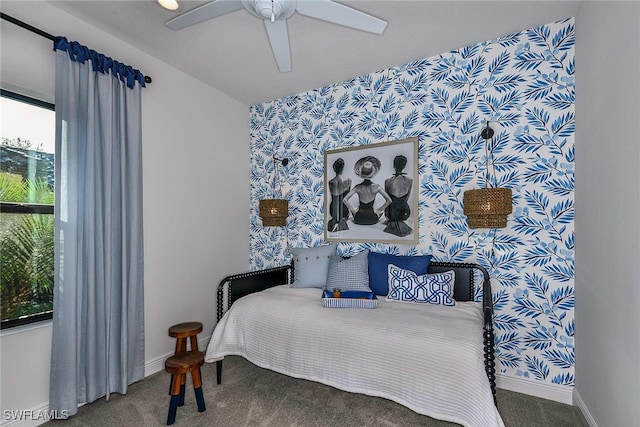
x=489, y=350
x=464, y=290
x=233, y=287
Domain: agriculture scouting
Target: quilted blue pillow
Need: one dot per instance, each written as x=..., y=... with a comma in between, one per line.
x=311, y=265
x=407, y=286
x=378, y=263
x=349, y=274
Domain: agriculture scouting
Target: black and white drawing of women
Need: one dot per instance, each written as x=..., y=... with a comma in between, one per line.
x=367, y=213
x=339, y=188
x=399, y=188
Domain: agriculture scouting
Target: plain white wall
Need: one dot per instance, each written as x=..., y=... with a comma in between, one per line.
x=196, y=191
x=608, y=212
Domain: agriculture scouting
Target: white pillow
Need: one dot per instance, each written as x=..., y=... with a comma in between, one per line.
x=405, y=285
x=311, y=265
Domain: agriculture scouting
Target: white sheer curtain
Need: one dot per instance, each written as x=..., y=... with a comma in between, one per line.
x=98, y=314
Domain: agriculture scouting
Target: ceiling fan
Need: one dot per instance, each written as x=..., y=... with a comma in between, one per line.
x=275, y=14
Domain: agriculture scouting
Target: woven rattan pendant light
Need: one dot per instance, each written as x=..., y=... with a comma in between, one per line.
x=274, y=212
x=487, y=207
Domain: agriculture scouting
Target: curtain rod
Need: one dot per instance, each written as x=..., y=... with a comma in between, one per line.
x=27, y=26
x=41, y=33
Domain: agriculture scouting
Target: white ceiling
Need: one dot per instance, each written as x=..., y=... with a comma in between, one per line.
x=232, y=52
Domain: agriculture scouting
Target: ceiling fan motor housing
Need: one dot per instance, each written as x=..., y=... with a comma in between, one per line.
x=282, y=9
x=266, y=7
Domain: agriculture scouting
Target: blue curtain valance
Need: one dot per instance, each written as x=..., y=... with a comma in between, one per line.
x=100, y=62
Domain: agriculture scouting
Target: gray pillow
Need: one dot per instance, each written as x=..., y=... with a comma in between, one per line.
x=349, y=274
x=311, y=265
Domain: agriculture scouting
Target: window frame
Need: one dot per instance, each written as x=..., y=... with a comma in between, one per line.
x=26, y=208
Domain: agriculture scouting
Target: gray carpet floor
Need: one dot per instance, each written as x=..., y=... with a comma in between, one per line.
x=252, y=396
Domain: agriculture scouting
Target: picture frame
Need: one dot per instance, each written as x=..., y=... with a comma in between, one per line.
x=371, y=193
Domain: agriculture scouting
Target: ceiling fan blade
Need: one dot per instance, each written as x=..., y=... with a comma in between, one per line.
x=337, y=13
x=202, y=13
x=279, y=39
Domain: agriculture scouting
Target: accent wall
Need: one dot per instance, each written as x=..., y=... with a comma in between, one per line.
x=523, y=84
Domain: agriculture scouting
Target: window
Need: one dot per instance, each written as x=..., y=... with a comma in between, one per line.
x=26, y=209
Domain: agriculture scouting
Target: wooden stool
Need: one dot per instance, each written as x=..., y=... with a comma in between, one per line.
x=182, y=331
x=178, y=366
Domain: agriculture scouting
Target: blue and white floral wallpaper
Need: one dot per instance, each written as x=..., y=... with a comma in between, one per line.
x=524, y=85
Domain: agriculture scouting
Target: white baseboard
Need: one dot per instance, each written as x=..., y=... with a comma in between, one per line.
x=556, y=392
x=157, y=364
x=39, y=415
x=583, y=411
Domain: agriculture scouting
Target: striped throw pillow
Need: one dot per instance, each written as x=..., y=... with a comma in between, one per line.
x=349, y=274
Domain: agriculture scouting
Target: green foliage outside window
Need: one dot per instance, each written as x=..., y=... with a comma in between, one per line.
x=26, y=249
x=27, y=164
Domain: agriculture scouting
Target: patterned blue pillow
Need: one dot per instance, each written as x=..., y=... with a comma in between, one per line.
x=407, y=286
x=311, y=265
x=349, y=274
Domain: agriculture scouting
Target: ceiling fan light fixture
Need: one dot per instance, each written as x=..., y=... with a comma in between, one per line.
x=171, y=5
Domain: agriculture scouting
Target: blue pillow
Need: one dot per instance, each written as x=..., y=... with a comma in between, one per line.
x=349, y=274
x=407, y=286
x=311, y=265
x=378, y=263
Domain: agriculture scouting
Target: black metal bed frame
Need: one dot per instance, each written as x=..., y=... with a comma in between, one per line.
x=238, y=285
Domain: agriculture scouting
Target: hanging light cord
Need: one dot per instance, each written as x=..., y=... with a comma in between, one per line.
x=276, y=179
x=487, y=134
x=493, y=243
x=493, y=164
x=486, y=162
x=278, y=182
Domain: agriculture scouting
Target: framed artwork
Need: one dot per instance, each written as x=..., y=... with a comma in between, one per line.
x=371, y=193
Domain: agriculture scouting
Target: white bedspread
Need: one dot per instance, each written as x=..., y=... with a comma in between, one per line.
x=428, y=358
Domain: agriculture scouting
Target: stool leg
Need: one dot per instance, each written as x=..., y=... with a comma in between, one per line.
x=173, y=408
x=219, y=371
x=171, y=384
x=197, y=387
x=194, y=343
x=183, y=379
x=181, y=345
x=175, y=395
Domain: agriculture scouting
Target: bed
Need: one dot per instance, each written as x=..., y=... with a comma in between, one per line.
x=436, y=360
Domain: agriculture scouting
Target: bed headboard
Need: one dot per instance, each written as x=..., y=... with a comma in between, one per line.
x=246, y=283
x=464, y=288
